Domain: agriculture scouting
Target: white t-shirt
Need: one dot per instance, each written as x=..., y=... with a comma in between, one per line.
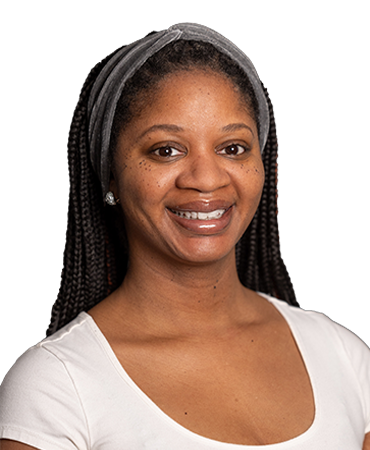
x=70, y=392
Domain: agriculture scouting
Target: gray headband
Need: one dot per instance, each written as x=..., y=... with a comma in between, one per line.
x=110, y=82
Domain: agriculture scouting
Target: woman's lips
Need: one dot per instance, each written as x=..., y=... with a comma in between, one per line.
x=202, y=222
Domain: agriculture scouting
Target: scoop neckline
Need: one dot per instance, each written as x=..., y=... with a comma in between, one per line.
x=283, y=308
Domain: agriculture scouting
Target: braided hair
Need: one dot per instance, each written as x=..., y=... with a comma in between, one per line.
x=95, y=255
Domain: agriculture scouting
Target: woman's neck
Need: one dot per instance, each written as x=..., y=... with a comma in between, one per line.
x=181, y=299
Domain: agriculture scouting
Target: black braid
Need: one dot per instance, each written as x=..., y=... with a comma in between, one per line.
x=260, y=265
x=95, y=255
x=89, y=269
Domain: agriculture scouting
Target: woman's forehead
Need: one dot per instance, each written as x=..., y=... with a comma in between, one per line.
x=191, y=101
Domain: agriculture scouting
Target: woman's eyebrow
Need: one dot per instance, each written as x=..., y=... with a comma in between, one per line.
x=176, y=129
x=163, y=127
x=236, y=127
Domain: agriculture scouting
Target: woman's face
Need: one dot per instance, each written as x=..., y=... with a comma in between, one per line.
x=188, y=170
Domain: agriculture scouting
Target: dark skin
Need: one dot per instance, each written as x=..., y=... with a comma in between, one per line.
x=182, y=325
x=216, y=357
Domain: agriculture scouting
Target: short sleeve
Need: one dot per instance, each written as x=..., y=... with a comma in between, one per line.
x=359, y=355
x=39, y=404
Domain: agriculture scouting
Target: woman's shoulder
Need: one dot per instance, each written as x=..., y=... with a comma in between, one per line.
x=39, y=392
x=52, y=357
x=318, y=325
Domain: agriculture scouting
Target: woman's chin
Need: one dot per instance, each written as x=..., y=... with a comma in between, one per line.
x=200, y=251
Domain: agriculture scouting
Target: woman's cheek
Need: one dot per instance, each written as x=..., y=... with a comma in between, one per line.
x=142, y=182
x=254, y=179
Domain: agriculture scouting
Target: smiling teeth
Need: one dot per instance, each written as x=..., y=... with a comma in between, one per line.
x=194, y=215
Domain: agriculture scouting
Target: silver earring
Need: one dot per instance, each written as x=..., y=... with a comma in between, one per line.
x=110, y=199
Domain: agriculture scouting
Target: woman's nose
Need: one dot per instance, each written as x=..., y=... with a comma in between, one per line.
x=204, y=172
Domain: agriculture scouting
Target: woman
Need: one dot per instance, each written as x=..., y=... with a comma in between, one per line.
x=183, y=345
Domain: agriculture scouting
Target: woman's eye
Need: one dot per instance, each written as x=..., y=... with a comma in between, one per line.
x=233, y=150
x=166, y=152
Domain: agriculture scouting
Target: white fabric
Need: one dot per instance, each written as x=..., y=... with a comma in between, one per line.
x=70, y=392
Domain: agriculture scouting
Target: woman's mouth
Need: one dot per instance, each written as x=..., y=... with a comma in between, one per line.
x=202, y=222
